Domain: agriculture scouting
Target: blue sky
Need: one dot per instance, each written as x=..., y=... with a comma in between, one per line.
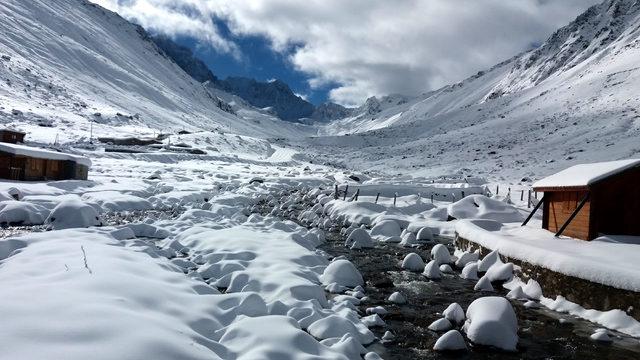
x=257, y=60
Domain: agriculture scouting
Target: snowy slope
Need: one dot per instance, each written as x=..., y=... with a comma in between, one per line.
x=572, y=100
x=70, y=62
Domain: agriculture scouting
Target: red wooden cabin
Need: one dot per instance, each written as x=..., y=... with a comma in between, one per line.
x=589, y=200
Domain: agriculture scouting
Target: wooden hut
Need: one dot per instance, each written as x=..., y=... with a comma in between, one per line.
x=25, y=163
x=11, y=136
x=589, y=200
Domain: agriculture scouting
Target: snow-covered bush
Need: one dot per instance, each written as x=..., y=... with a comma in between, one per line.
x=413, y=262
x=359, y=238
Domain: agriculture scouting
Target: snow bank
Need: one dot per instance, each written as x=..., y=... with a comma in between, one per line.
x=482, y=207
x=584, y=260
x=491, y=321
x=117, y=201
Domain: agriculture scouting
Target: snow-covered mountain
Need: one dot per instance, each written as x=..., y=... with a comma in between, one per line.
x=67, y=63
x=574, y=99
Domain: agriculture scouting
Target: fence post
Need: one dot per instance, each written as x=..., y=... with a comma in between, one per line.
x=529, y=199
x=432, y=198
x=346, y=190
x=521, y=195
x=395, y=196
x=497, y=189
x=377, y=197
x=357, y=193
x=335, y=192
x=462, y=195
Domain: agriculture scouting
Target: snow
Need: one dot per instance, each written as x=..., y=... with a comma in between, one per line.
x=20, y=212
x=397, y=298
x=586, y=174
x=500, y=272
x=388, y=228
x=565, y=255
x=470, y=271
x=117, y=201
x=488, y=261
x=359, y=238
x=440, y=325
x=24, y=150
x=413, y=262
x=454, y=313
x=342, y=272
x=451, y=340
x=424, y=234
x=432, y=271
x=491, y=321
x=335, y=326
x=73, y=214
x=484, y=284
x=440, y=254
x=482, y=207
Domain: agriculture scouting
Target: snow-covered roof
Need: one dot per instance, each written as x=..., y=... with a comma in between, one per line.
x=586, y=174
x=42, y=153
x=12, y=130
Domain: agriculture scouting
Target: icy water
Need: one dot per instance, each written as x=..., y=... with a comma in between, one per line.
x=544, y=334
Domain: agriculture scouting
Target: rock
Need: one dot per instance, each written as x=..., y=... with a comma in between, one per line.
x=440, y=254
x=491, y=321
x=432, y=271
x=425, y=234
x=397, y=298
x=440, y=325
x=452, y=340
x=470, y=271
x=388, y=336
x=359, y=238
x=466, y=258
x=341, y=272
x=446, y=269
x=484, y=284
x=413, y=262
x=454, y=313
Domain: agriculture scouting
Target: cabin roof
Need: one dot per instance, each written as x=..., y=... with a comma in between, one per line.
x=13, y=131
x=42, y=153
x=584, y=175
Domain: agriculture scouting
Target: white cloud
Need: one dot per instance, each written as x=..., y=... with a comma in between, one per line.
x=370, y=47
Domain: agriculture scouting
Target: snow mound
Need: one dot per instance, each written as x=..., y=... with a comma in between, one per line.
x=452, y=340
x=413, y=262
x=23, y=213
x=73, y=214
x=440, y=325
x=342, y=272
x=117, y=201
x=397, y=298
x=359, y=238
x=517, y=294
x=484, y=284
x=532, y=290
x=409, y=239
x=466, y=258
x=425, y=234
x=488, y=261
x=334, y=326
x=491, y=321
x=470, y=271
x=500, y=272
x=387, y=228
x=454, y=313
x=275, y=337
x=482, y=207
x=432, y=271
x=440, y=254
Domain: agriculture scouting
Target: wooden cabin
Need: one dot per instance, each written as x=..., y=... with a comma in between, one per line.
x=11, y=136
x=589, y=200
x=25, y=163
